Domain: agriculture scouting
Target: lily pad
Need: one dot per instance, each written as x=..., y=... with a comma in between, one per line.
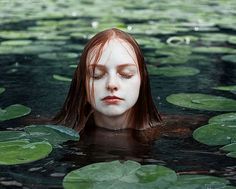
x=59, y=56
x=118, y=175
x=73, y=66
x=215, y=134
x=172, y=71
x=199, y=182
x=2, y=90
x=232, y=40
x=16, y=42
x=13, y=111
x=229, y=58
x=22, y=151
x=173, y=59
x=27, y=49
x=229, y=148
x=227, y=119
x=61, y=78
x=12, y=135
x=213, y=50
x=226, y=88
x=54, y=134
x=202, y=101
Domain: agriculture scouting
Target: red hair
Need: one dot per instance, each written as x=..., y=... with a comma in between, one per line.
x=76, y=110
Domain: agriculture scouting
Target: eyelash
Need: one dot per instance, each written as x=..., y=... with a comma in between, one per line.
x=123, y=75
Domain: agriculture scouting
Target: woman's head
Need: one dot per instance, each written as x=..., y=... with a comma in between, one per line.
x=111, y=65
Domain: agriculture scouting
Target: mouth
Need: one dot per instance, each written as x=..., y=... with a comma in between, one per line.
x=112, y=99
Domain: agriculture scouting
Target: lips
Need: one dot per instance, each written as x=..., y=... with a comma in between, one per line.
x=112, y=100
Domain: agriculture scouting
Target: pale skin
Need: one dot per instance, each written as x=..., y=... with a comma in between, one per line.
x=116, y=74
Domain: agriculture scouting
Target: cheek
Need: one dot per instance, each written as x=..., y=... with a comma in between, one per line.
x=133, y=85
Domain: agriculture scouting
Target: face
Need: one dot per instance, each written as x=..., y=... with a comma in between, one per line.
x=115, y=79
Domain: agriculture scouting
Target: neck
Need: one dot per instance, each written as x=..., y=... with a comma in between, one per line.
x=112, y=122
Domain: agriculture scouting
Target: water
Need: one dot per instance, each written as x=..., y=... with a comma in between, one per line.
x=28, y=80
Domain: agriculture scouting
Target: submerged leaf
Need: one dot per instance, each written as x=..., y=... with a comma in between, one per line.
x=54, y=134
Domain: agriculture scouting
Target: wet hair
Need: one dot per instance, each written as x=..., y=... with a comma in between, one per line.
x=76, y=110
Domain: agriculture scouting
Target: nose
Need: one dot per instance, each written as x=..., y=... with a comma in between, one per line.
x=112, y=84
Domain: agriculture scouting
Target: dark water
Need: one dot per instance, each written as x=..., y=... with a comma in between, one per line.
x=28, y=80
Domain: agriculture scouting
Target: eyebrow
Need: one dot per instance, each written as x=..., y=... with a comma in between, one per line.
x=102, y=67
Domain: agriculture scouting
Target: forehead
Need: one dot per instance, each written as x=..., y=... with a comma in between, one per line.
x=115, y=52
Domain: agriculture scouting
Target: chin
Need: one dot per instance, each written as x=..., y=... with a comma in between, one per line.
x=113, y=112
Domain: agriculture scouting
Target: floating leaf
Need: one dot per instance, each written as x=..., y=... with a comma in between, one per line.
x=202, y=101
x=54, y=134
x=59, y=56
x=73, y=66
x=16, y=42
x=2, y=90
x=229, y=58
x=229, y=148
x=231, y=154
x=172, y=71
x=22, y=151
x=232, y=40
x=13, y=111
x=213, y=50
x=61, y=78
x=173, y=59
x=215, y=134
x=226, y=119
x=226, y=88
x=118, y=175
x=11, y=135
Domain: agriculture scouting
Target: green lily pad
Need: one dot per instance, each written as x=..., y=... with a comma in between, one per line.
x=73, y=66
x=22, y=151
x=229, y=58
x=16, y=42
x=59, y=56
x=202, y=101
x=2, y=90
x=54, y=134
x=232, y=40
x=231, y=154
x=27, y=49
x=13, y=111
x=215, y=134
x=118, y=175
x=199, y=182
x=172, y=71
x=214, y=50
x=11, y=135
x=227, y=119
x=215, y=37
x=226, y=88
x=174, y=51
x=229, y=148
x=61, y=78
x=173, y=59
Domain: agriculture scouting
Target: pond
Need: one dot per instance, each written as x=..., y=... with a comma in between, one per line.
x=189, y=48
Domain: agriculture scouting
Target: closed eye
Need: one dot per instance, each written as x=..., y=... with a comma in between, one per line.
x=127, y=76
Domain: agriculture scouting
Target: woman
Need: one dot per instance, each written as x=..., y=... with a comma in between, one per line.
x=110, y=87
